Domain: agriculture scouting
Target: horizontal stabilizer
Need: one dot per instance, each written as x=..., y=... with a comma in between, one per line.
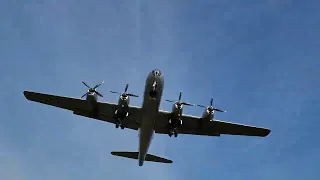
x=134, y=155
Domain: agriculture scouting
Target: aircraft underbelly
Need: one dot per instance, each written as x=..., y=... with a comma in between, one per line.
x=147, y=129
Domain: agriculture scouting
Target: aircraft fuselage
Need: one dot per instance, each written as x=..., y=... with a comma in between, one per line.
x=150, y=108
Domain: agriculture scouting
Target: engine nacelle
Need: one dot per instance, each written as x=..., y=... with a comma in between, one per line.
x=121, y=113
x=177, y=110
x=175, y=122
x=208, y=115
x=174, y=125
x=92, y=97
x=124, y=100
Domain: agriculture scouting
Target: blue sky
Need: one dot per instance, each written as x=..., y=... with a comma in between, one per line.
x=259, y=60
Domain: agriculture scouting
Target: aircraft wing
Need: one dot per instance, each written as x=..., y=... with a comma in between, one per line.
x=195, y=126
x=104, y=111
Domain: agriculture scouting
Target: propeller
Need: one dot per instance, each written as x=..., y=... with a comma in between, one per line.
x=125, y=92
x=179, y=102
x=211, y=108
x=92, y=90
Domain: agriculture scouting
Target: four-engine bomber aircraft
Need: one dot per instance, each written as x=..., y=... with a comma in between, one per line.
x=148, y=119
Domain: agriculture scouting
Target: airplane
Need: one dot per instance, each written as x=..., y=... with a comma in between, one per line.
x=148, y=119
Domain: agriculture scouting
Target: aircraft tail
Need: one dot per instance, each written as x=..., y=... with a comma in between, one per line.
x=134, y=155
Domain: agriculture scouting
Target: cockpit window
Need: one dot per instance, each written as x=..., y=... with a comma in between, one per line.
x=156, y=72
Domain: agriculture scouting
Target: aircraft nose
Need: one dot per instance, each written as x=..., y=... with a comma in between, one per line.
x=156, y=72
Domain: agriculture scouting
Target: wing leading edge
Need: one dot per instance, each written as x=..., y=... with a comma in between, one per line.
x=104, y=111
x=197, y=126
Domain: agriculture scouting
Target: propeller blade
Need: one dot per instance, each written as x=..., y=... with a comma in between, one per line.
x=180, y=94
x=219, y=110
x=99, y=94
x=84, y=95
x=98, y=85
x=211, y=107
x=86, y=85
x=126, y=88
x=169, y=101
x=187, y=104
x=201, y=105
x=115, y=92
x=133, y=95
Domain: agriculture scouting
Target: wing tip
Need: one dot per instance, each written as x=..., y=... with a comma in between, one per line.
x=26, y=94
x=266, y=132
x=169, y=161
